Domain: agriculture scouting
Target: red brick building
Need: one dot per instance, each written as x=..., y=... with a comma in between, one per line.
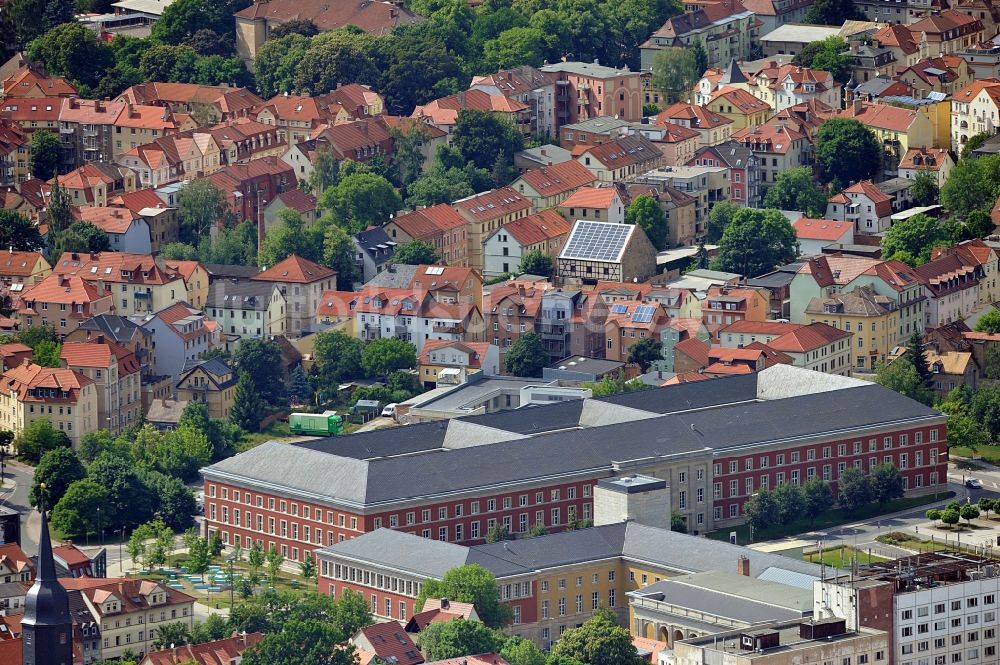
x=452, y=480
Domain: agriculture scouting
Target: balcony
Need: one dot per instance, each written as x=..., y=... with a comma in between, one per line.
x=449, y=328
x=66, y=129
x=371, y=331
x=89, y=131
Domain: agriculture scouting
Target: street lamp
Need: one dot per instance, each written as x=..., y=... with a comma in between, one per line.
x=100, y=531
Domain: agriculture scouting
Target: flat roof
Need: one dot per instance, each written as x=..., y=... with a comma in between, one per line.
x=798, y=32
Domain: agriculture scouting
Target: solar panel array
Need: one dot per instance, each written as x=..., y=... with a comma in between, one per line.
x=643, y=314
x=597, y=241
x=619, y=309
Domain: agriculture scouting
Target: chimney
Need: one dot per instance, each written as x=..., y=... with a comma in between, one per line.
x=100, y=339
x=857, y=106
x=743, y=566
x=445, y=604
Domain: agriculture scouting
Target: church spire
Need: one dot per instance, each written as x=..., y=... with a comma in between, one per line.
x=46, y=627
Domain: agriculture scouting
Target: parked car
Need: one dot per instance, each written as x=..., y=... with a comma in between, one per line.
x=974, y=483
x=389, y=411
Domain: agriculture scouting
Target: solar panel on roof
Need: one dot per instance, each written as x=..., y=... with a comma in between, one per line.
x=643, y=314
x=598, y=241
x=619, y=309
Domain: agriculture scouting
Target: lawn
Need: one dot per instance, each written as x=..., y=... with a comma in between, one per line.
x=831, y=518
x=840, y=557
x=220, y=600
x=989, y=454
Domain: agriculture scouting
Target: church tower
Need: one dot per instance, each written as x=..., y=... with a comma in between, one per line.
x=46, y=629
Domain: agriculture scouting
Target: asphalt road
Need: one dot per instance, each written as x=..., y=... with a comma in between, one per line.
x=14, y=494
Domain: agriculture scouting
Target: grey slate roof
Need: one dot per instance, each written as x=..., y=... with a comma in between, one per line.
x=389, y=473
x=367, y=240
x=399, y=277
x=240, y=294
x=688, y=592
x=117, y=328
x=223, y=270
x=681, y=552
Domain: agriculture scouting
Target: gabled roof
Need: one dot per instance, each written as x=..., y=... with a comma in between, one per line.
x=18, y=264
x=26, y=379
x=882, y=116
x=390, y=642
x=821, y=229
x=493, y=204
x=697, y=117
x=114, y=267
x=539, y=227
x=430, y=222
x=377, y=18
x=695, y=349
x=625, y=151
x=591, y=197
x=138, y=200
x=99, y=355
x=741, y=99
x=227, y=99
x=108, y=219
x=923, y=158
x=808, y=338
x=297, y=200
x=295, y=269
x=218, y=652
x=67, y=289
x=558, y=178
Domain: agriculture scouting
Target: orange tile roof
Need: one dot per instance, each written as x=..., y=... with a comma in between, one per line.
x=695, y=349
x=971, y=91
x=747, y=327
x=444, y=111
x=113, y=267
x=428, y=223
x=138, y=200
x=12, y=556
x=591, y=197
x=931, y=159
x=108, y=219
x=17, y=263
x=741, y=99
x=99, y=355
x=539, y=227
x=808, y=338
x=295, y=269
x=392, y=644
x=25, y=379
x=219, y=652
x=821, y=229
x=558, y=178
x=882, y=116
x=493, y=204
x=227, y=99
x=37, y=109
x=66, y=289
x=476, y=350
x=698, y=117
x=897, y=35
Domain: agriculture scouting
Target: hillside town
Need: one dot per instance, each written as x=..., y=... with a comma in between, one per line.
x=496, y=332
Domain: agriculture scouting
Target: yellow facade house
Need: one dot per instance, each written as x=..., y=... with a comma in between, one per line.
x=65, y=398
x=211, y=382
x=873, y=318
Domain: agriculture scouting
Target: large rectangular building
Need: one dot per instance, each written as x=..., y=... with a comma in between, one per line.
x=715, y=443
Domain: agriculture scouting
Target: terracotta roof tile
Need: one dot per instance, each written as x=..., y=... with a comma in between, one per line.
x=591, y=197
x=539, y=227
x=559, y=178
x=493, y=204
x=821, y=229
x=295, y=269
x=428, y=223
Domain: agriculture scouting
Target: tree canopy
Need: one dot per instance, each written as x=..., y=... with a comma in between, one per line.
x=469, y=584
x=912, y=240
x=415, y=253
x=675, y=71
x=526, y=357
x=756, y=242
x=19, y=232
x=796, y=189
x=847, y=151
x=599, y=641
x=646, y=212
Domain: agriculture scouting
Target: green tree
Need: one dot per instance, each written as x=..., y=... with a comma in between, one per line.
x=172, y=634
x=46, y=354
x=337, y=358
x=984, y=408
x=886, y=483
x=255, y=557
x=756, y=242
x=130, y=500
x=18, y=232
x=296, y=26
x=248, y=406
x=678, y=522
x=498, y=533
x=261, y=359
x=338, y=253
x=535, y=262
x=308, y=567
x=796, y=189
x=986, y=504
x=198, y=557
x=382, y=357
x=950, y=517
x=137, y=544
x=519, y=651
x=675, y=72
x=831, y=12
x=176, y=502
x=646, y=212
x=817, y=497
x=183, y=18
x=276, y=63
x=971, y=185
x=299, y=390
x=76, y=512
x=332, y=60
x=966, y=432
x=915, y=352
x=829, y=55
x=82, y=237
x=416, y=71
x=214, y=627
x=515, y=47
x=719, y=218
x=599, y=641
x=933, y=514
x=38, y=438
x=526, y=357
x=301, y=642
x=46, y=154
x=441, y=185
x=915, y=236
x=989, y=322
x=57, y=470
x=974, y=142
x=59, y=216
x=762, y=509
x=326, y=171
x=484, y=139
x=454, y=639
x=273, y=562
x=361, y=200
x=415, y=253
x=74, y=51
x=645, y=352
x=847, y=151
x=925, y=190
x=290, y=236
x=201, y=206
x=969, y=512
x=791, y=501
x=855, y=489
x=469, y=584
x=900, y=375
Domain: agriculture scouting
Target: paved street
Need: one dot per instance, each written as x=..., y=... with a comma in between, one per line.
x=16, y=486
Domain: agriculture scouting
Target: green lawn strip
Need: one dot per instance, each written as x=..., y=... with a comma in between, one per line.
x=840, y=557
x=831, y=518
